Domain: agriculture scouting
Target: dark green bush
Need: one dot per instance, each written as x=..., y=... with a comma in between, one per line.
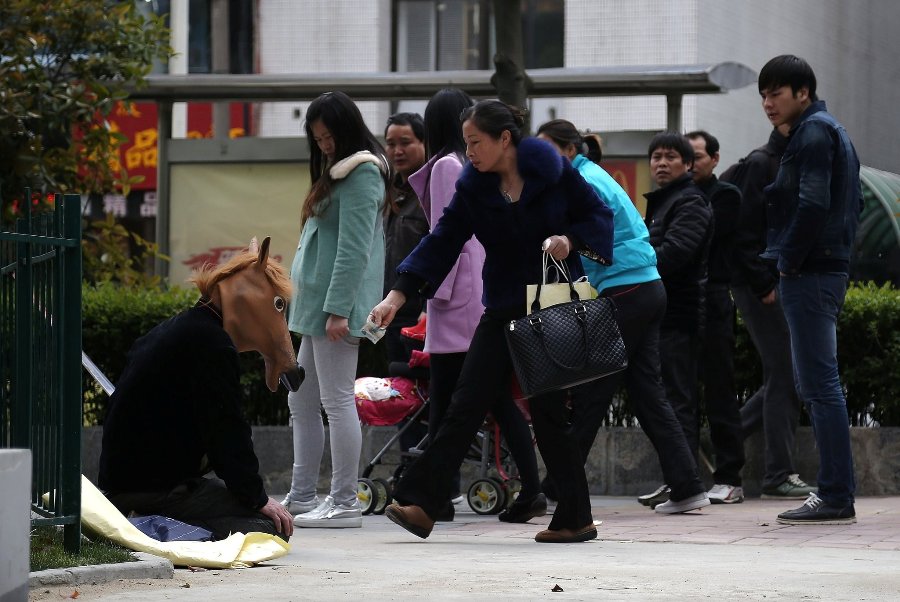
x=868, y=352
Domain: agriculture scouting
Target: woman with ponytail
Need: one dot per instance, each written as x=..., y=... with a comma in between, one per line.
x=635, y=285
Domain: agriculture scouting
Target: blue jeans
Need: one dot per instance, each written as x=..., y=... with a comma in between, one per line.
x=812, y=302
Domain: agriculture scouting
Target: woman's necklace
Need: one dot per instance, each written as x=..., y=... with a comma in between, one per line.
x=506, y=195
x=511, y=194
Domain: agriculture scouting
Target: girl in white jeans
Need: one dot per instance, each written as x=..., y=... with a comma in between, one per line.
x=338, y=274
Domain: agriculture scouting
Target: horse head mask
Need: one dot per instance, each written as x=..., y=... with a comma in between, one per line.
x=252, y=294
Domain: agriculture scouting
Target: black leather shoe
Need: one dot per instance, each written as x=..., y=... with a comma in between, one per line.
x=523, y=511
x=447, y=513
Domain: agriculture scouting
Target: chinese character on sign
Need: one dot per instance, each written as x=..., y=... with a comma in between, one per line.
x=115, y=204
x=148, y=207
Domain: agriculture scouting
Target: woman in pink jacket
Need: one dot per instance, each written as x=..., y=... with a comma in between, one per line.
x=455, y=309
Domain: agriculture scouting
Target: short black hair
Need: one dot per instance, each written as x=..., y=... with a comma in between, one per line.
x=712, y=143
x=413, y=120
x=675, y=141
x=494, y=117
x=788, y=70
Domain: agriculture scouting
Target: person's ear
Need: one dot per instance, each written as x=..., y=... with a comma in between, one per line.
x=802, y=94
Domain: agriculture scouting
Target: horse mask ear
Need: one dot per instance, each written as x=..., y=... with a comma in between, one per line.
x=263, y=254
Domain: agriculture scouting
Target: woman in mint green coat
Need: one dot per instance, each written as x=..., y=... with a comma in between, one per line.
x=338, y=274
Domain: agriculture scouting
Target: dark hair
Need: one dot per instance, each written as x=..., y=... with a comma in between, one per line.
x=788, y=70
x=494, y=117
x=674, y=141
x=341, y=116
x=564, y=133
x=413, y=120
x=712, y=144
x=443, y=134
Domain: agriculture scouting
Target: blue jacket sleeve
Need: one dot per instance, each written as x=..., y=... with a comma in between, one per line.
x=591, y=220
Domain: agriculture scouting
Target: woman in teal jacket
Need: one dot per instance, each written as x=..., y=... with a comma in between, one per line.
x=633, y=282
x=338, y=275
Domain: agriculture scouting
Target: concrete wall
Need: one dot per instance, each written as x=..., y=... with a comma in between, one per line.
x=15, y=517
x=622, y=461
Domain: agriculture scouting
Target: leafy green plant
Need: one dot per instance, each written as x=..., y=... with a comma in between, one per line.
x=107, y=253
x=65, y=66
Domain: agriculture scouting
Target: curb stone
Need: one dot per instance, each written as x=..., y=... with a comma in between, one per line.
x=147, y=566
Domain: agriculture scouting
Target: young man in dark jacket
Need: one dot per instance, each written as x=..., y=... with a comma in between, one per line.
x=774, y=407
x=812, y=213
x=680, y=223
x=717, y=343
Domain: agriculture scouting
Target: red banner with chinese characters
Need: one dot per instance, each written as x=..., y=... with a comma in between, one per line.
x=139, y=125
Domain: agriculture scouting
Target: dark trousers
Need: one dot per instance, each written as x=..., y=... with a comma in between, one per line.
x=640, y=311
x=445, y=371
x=775, y=406
x=719, y=397
x=485, y=376
x=200, y=502
x=678, y=353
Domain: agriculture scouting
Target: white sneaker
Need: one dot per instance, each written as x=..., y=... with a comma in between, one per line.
x=686, y=505
x=336, y=516
x=726, y=494
x=297, y=507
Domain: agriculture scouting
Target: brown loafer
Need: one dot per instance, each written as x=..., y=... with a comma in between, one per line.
x=413, y=519
x=567, y=535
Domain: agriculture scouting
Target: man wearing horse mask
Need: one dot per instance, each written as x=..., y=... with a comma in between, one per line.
x=176, y=415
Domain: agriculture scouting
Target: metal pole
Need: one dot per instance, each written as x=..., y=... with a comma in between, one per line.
x=163, y=185
x=673, y=112
x=221, y=63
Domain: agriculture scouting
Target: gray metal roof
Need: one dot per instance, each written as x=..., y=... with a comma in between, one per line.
x=577, y=81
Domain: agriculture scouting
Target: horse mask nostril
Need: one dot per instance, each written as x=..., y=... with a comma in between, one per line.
x=292, y=378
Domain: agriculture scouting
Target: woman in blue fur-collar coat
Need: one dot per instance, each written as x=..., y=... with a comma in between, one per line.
x=515, y=196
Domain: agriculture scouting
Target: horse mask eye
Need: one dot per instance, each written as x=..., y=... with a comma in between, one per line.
x=279, y=304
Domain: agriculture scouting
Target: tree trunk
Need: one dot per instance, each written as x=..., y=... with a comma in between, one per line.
x=509, y=79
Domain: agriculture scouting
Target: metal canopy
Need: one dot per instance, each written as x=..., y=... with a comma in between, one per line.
x=578, y=81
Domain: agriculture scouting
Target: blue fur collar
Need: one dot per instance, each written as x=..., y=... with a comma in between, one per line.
x=539, y=165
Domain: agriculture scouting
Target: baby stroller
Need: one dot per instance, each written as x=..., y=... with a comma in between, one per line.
x=496, y=484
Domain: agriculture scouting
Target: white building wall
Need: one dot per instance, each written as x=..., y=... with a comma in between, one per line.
x=321, y=36
x=852, y=46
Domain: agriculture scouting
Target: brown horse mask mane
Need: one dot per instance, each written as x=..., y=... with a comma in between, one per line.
x=252, y=295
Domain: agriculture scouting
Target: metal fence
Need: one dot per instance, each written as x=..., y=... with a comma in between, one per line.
x=40, y=357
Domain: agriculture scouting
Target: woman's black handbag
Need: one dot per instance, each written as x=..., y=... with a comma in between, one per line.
x=565, y=345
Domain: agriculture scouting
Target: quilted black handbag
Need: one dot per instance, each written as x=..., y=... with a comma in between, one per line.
x=565, y=345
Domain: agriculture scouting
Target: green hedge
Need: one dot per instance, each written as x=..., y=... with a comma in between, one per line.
x=868, y=351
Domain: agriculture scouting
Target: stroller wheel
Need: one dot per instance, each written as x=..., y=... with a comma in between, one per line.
x=486, y=496
x=367, y=494
x=383, y=488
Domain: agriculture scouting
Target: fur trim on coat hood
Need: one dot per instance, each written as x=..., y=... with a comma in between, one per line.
x=342, y=168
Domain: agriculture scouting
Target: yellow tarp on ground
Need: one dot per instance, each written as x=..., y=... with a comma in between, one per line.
x=237, y=551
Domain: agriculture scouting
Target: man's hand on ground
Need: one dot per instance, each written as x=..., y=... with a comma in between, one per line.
x=284, y=522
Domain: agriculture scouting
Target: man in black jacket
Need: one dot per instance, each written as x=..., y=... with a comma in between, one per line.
x=680, y=223
x=717, y=343
x=775, y=406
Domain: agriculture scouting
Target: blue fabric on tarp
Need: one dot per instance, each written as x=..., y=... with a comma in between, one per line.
x=163, y=528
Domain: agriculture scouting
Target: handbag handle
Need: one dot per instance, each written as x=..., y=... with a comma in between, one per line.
x=561, y=271
x=538, y=327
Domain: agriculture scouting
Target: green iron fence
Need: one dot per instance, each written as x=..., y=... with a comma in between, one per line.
x=40, y=357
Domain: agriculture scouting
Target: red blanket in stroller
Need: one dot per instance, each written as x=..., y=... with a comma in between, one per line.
x=385, y=401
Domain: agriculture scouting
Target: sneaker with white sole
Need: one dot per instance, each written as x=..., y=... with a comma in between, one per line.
x=815, y=511
x=792, y=488
x=337, y=516
x=726, y=494
x=695, y=502
x=295, y=507
x=654, y=498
